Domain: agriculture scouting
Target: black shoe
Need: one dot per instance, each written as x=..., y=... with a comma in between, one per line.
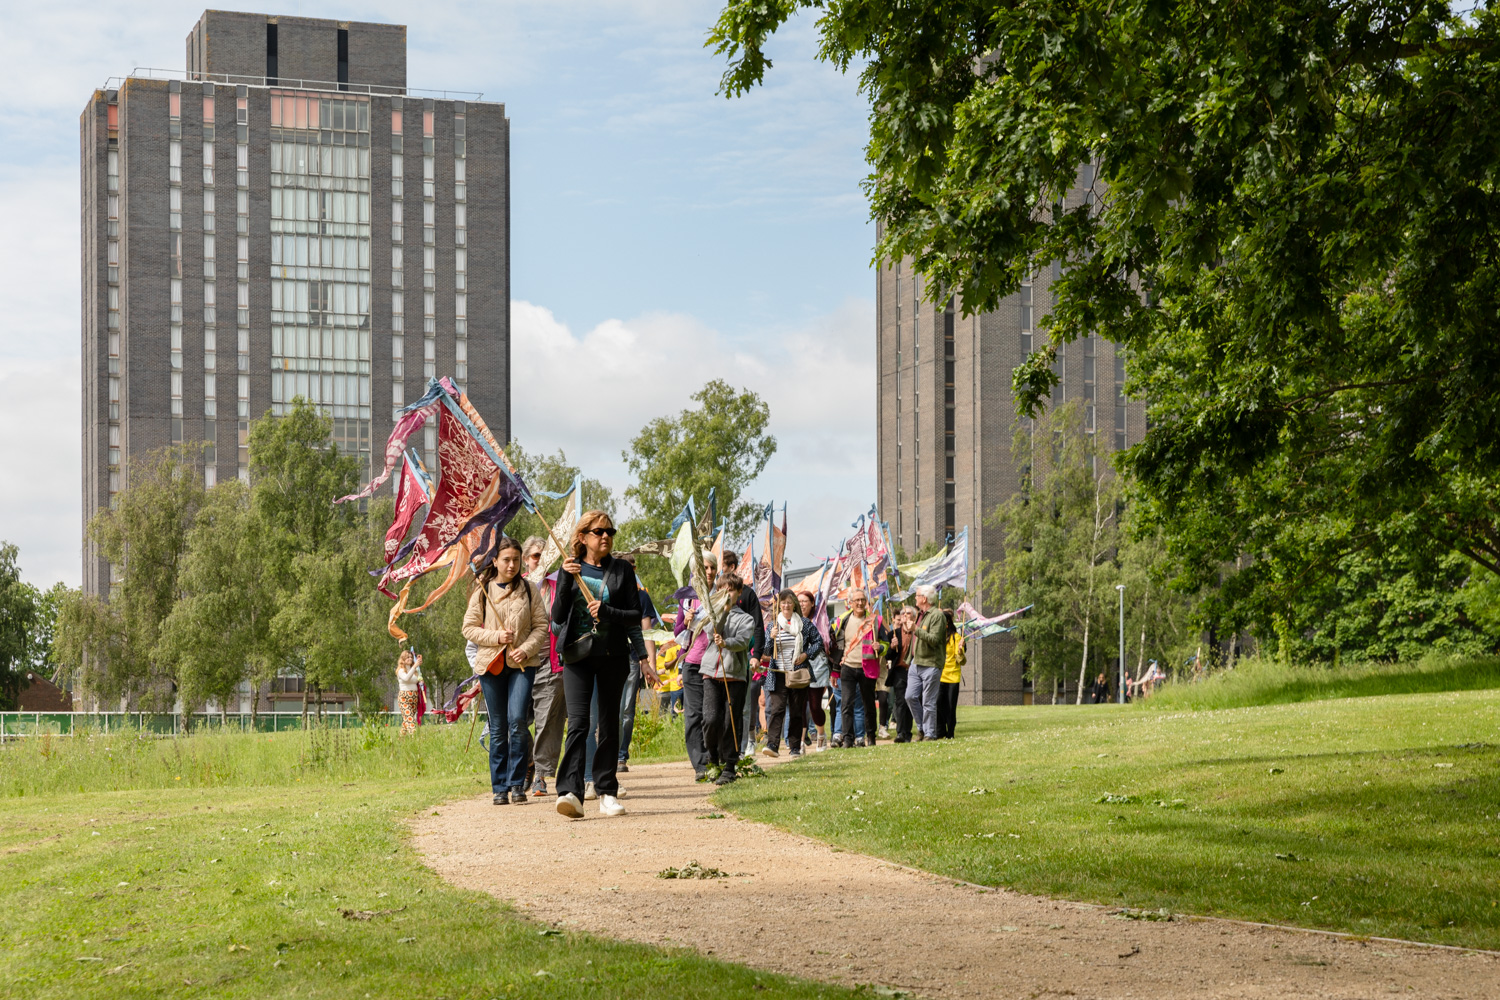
x=622, y=767
x=518, y=797
x=700, y=775
x=727, y=777
x=501, y=799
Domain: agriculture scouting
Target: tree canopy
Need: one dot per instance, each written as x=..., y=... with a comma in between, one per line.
x=1289, y=223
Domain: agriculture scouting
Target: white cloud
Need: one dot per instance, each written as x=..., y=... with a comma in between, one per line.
x=41, y=504
x=816, y=377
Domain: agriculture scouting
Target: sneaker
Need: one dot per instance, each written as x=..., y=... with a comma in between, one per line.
x=859, y=742
x=588, y=792
x=885, y=733
x=918, y=736
x=610, y=806
x=769, y=752
x=620, y=792
x=700, y=775
x=822, y=743
x=795, y=753
x=622, y=767
x=569, y=806
x=518, y=797
x=539, y=790
x=500, y=799
x=729, y=776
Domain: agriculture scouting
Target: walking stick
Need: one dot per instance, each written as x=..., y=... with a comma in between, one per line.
x=473, y=721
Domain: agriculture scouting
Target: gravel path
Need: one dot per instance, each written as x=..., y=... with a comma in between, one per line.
x=797, y=906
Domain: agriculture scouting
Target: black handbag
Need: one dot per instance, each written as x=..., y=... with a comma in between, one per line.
x=578, y=650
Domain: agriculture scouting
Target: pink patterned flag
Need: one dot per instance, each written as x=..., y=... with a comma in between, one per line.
x=466, y=473
x=411, y=496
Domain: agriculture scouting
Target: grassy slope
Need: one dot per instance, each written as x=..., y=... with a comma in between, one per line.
x=1266, y=682
x=1386, y=810
x=222, y=872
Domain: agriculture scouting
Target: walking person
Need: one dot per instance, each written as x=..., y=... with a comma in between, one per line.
x=725, y=672
x=952, y=680
x=807, y=607
x=549, y=706
x=649, y=620
x=749, y=603
x=927, y=662
x=857, y=636
x=898, y=660
x=688, y=611
x=793, y=641
x=507, y=620
x=408, y=680
x=598, y=631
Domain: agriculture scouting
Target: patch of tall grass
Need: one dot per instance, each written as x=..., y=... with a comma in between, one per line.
x=124, y=759
x=1256, y=681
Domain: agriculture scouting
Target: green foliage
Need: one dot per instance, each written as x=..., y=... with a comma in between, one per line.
x=1287, y=221
x=1261, y=681
x=1382, y=800
x=553, y=473
x=19, y=611
x=296, y=473
x=721, y=444
x=144, y=536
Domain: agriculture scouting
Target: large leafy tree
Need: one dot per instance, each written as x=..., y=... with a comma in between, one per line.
x=721, y=444
x=19, y=606
x=1290, y=224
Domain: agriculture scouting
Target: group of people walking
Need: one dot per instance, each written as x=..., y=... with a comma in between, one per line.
x=572, y=656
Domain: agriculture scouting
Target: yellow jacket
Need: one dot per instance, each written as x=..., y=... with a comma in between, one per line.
x=953, y=666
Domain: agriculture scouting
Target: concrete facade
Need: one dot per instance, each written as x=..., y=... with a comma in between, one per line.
x=946, y=419
x=191, y=317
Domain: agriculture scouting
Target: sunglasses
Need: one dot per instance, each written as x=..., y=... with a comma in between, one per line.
x=602, y=532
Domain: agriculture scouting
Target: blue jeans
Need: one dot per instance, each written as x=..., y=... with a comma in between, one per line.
x=922, y=695
x=627, y=708
x=838, y=712
x=507, y=695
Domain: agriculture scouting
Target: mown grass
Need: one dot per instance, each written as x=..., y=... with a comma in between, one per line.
x=232, y=881
x=1377, y=816
x=1266, y=682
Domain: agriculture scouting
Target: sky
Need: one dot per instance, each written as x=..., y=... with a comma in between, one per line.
x=679, y=234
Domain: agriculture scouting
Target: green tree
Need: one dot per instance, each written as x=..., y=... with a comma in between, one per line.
x=218, y=634
x=19, y=609
x=144, y=538
x=1061, y=531
x=1288, y=221
x=295, y=475
x=721, y=444
x=552, y=473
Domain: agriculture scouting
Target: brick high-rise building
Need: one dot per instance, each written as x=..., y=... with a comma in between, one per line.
x=946, y=418
x=249, y=236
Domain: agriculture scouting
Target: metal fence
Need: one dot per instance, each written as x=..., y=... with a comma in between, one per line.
x=15, y=724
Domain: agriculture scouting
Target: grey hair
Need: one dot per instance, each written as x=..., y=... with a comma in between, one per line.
x=927, y=590
x=533, y=544
x=709, y=559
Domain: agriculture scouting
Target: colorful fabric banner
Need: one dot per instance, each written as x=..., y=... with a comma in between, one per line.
x=411, y=496
x=778, y=551
x=413, y=417
x=950, y=571
x=466, y=474
x=974, y=622
x=562, y=530
x=682, y=552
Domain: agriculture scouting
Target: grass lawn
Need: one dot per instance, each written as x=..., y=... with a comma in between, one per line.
x=219, y=866
x=1377, y=816
x=1266, y=682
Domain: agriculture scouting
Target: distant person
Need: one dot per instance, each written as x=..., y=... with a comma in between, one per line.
x=1099, y=690
x=793, y=640
x=598, y=633
x=725, y=671
x=688, y=612
x=668, y=684
x=857, y=636
x=408, y=681
x=898, y=668
x=507, y=619
x=952, y=680
x=927, y=663
x=807, y=606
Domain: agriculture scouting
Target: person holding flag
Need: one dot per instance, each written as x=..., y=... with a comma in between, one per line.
x=928, y=659
x=507, y=620
x=596, y=617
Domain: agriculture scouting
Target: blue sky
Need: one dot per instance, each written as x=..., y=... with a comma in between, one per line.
x=688, y=236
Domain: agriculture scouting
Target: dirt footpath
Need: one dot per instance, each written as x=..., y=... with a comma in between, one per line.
x=797, y=906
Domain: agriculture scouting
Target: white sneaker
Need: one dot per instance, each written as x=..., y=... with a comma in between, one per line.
x=610, y=806
x=588, y=792
x=621, y=793
x=885, y=733
x=569, y=806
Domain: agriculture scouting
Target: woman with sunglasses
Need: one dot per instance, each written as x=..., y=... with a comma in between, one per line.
x=598, y=633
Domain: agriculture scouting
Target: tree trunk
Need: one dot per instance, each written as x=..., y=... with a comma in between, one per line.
x=304, y=702
x=1145, y=602
x=1083, y=667
x=1054, y=689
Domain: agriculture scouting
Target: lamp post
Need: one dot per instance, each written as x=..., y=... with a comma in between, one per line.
x=1121, y=588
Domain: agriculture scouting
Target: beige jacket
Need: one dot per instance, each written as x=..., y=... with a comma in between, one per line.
x=507, y=607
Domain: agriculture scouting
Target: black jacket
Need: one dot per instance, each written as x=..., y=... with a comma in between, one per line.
x=750, y=604
x=621, y=611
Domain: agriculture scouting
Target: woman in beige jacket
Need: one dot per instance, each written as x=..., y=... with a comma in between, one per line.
x=507, y=620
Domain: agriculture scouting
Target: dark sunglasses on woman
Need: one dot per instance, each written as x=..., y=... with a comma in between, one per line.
x=602, y=532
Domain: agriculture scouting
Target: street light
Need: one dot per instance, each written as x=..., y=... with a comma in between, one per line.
x=1121, y=588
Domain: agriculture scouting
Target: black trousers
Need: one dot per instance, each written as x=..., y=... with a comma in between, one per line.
x=606, y=675
x=692, y=716
x=895, y=680
x=786, y=701
x=723, y=711
x=854, y=684
x=947, y=710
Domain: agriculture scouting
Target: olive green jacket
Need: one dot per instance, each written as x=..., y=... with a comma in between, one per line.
x=932, y=640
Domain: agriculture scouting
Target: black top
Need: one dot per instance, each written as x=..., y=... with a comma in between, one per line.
x=620, y=611
x=750, y=604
